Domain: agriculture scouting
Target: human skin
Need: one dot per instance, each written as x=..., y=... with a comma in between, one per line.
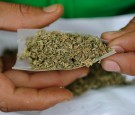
x=123, y=42
x=21, y=90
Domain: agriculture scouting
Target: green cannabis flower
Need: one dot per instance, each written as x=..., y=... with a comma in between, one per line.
x=55, y=50
x=97, y=78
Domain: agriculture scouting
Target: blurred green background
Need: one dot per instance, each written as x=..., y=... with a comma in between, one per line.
x=86, y=8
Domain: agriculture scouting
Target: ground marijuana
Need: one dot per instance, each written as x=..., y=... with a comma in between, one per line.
x=98, y=78
x=56, y=50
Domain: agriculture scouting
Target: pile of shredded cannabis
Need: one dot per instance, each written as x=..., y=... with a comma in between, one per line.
x=98, y=78
x=58, y=51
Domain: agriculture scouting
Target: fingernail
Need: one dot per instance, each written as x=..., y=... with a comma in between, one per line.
x=118, y=49
x=84, y=74
x=69, y=95
x=111, y=66
x=104, y=41
x=108, y=35
x=51, y=8
x=3, y=106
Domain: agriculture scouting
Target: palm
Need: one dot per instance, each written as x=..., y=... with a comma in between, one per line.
x=35, y=91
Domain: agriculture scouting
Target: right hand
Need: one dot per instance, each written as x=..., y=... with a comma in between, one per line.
x=20, y=90
x=122, y=41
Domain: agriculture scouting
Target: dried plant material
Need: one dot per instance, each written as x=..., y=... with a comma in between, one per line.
x=54, y=50
x=97, y=78
x=8, y=58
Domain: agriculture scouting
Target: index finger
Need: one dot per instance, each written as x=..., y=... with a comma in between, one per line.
x=125, y=42
x=45, y=79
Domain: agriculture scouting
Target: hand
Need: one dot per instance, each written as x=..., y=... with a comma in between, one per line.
x=123, y=42
x=20, y=90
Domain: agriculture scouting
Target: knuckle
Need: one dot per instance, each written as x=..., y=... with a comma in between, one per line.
x=60, y=81
x=104, y=35
x=3, y=106
x=21, y=9
x=14, y=6
x=24, y=9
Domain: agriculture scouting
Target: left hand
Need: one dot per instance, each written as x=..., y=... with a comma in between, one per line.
x=123, y=42
x=21, y=90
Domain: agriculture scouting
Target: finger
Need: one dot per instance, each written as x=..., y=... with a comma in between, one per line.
x=15, y=99
x=108, y=36
x=46, y=79
x=123, y=63
x=26, y=99
x=124, y=43
x=15, y=16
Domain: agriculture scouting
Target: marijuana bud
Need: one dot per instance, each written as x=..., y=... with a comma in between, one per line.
x=54, y=50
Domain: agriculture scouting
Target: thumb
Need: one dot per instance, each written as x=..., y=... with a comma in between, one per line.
x=122, y=41
x=15, y=16
x=123, y=63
